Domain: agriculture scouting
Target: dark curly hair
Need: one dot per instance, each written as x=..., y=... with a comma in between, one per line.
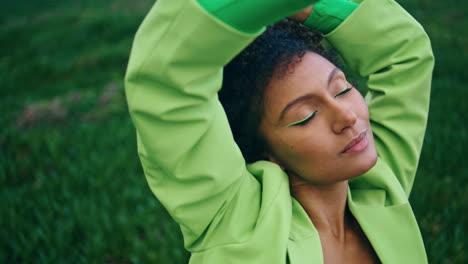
x=245, y=78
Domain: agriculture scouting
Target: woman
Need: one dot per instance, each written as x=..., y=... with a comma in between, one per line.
x=333, y=178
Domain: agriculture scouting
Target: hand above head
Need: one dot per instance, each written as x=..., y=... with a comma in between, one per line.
x=302, y=15
x=252, y=16
x=325, y=15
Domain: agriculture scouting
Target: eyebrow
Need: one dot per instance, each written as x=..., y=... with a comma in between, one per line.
x=332, y=74
x=307, y=96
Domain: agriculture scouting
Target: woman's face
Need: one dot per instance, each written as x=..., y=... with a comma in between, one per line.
x=314, y=127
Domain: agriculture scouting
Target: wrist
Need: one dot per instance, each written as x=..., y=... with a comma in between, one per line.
x=328, y=14
x=302, y=16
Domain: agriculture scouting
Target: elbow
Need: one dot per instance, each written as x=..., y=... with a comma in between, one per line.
x=427, y=56
x=128, y=83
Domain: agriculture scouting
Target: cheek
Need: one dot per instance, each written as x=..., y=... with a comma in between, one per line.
x=361, y=106
x=310, y=146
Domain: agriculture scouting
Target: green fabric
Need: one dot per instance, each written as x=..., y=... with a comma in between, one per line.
x=252, y=16
x=328, y=14
x=232, y=213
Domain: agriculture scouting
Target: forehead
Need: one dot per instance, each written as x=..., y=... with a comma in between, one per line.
x=310, y=75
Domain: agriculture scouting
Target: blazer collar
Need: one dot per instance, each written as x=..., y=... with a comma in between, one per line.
x=391, y=230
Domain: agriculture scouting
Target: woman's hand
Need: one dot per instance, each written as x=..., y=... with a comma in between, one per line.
x=302, y=15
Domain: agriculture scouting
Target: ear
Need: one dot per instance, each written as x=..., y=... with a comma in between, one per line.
x=271, y=158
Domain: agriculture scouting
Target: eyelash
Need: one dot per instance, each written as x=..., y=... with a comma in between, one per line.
x=304, y=121
x=309, y=117
x=345, y=90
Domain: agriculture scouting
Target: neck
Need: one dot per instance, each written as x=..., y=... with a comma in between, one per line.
x=325, y=205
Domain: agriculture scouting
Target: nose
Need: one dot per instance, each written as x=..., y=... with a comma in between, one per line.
x=343, y=117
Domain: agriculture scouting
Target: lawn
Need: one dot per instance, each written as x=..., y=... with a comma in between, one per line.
x=72, y=187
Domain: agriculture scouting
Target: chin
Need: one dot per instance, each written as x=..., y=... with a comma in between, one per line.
x=363, y=165
x=367, y=162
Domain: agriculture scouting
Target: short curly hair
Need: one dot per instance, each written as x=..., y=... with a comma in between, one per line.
x=245, y=78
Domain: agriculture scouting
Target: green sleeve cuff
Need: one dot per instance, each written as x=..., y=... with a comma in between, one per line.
x=251, y=16
x=328, y=14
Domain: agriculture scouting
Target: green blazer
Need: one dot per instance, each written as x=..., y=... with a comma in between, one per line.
x=231, y=212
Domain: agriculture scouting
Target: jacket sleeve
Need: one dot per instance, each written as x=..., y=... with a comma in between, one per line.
x=395, y=57
x=185, y=145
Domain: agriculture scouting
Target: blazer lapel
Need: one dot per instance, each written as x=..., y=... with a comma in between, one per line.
x=392, y=230
x=304, y=242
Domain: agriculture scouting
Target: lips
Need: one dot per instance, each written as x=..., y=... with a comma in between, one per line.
x=358, y=144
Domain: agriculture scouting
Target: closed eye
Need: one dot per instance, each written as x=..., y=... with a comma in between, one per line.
x=303, y=121
x=345, y=90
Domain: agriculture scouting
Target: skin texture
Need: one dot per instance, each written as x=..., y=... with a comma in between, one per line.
x=244, y=213
x=312, y=152
x=302, y=15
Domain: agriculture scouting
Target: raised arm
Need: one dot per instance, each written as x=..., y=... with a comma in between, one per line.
x=189, y=157
x=395, y=57
x=185, y=145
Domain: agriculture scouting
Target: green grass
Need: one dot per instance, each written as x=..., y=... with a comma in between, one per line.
x=72, y=188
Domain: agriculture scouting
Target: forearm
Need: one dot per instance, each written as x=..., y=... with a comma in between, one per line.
x=252, y=16
x=394, y=55
x=329, y=14
x=184, y=142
